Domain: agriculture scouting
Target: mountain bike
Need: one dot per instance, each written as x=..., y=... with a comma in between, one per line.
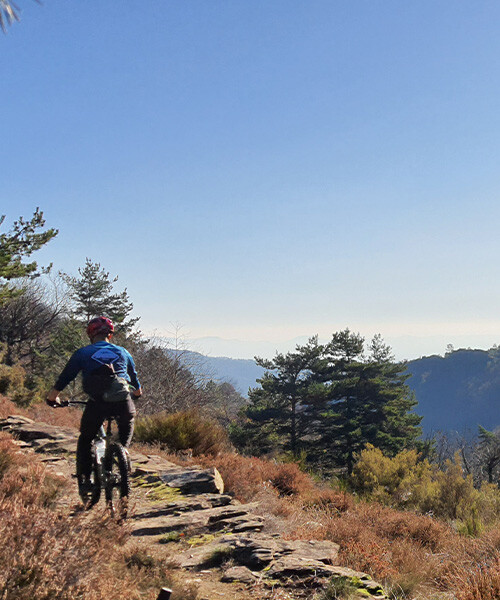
x=110, y=470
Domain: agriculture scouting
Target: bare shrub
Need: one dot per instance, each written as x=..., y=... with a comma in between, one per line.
x=29, y=317
x=171, y=384
x=247, y=476
x=182, y=431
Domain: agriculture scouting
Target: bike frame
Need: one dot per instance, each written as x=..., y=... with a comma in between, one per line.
x=102, y=440
x=104, y=450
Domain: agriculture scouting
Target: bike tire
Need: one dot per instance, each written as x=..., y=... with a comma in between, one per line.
x=117, y=488
x=90, y=493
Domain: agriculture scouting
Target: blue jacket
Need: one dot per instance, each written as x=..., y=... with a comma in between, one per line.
x=91, y=357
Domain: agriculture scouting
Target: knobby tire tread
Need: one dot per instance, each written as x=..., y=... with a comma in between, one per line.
x=116, y=462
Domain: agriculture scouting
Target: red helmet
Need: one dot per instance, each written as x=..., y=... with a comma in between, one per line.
x=100, y=325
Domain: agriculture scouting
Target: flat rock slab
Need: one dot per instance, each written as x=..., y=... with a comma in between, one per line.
x=257, y=551
x=151, y=464
x=300, y=567
x=28, y=430
x=194, y=521
x=187, y=504
x=138, y=459
x=296, y=569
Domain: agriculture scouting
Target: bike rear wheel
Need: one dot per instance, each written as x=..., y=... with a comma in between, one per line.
x=117, y=486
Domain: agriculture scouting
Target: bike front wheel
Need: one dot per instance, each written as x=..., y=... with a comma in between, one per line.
x=117, y=486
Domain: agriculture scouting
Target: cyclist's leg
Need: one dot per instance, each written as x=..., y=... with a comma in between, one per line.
x=92, y=419
x=125, y=415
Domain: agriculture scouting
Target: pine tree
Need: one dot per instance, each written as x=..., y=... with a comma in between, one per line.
x=330, y=401
x=93, y=295
x=340, y=427
x=279, y=409
x=9, y=13
x=489, y=452
x=16, y=245
x=368, y=401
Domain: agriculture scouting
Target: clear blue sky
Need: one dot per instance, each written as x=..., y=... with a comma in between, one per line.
x=267, y=169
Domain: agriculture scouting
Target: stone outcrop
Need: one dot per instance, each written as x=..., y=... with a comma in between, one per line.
x=215, y=531
x=234, y=518
x=39, y=436
x=262, y=557
x=191, y=481
x=258, y=551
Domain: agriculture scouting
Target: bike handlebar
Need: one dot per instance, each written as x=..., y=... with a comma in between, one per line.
x=63, y=403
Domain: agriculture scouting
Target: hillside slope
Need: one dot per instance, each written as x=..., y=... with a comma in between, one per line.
x=459, y=391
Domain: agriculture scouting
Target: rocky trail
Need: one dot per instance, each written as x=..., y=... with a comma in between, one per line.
x=224, y=547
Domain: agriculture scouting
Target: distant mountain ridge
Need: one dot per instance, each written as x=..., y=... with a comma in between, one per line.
x=242, y=373
x=459, y=391
x=455, y=392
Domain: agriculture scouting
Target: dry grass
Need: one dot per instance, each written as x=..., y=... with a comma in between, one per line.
x=415, y=556
x=7, y=407
x=49, y=553
x=246, y=477
x=477, y=581
x=401, y=549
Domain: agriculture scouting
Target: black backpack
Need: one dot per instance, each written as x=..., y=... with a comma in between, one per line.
x=104, y=385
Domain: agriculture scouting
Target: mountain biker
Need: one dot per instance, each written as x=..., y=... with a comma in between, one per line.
x=107, y=373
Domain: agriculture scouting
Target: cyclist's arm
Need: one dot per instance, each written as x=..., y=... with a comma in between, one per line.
x=70, y=371
x=132, y=373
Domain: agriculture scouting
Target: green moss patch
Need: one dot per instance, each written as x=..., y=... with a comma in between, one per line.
x=171, y=536
x=157, y=490
x=200, y=540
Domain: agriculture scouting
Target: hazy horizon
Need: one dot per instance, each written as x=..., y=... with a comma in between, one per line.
x=405, y=347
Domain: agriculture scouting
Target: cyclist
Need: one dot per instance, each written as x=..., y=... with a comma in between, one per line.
x=107, y=370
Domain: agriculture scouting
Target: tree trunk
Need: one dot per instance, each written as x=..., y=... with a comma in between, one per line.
x=293, y=440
